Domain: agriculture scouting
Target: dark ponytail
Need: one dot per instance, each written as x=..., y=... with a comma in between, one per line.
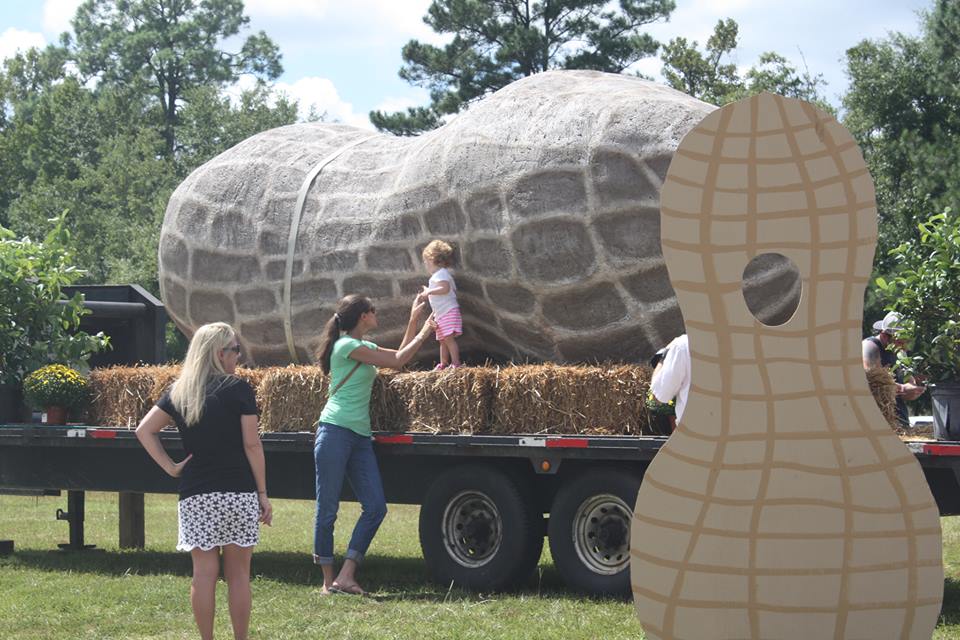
x=349, y=310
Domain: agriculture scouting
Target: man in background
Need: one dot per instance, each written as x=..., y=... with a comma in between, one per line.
x=877, y=352
x=671, y=375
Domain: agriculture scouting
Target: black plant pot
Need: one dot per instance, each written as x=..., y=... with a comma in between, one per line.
x=946, y=410
x=11, y=404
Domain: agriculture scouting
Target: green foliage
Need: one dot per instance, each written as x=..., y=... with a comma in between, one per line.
x=705, y=75
x=37, y=326
x=56, y=386
x=416, y=120
x=209, y=124
x=903, y=109
x=103, y=152
x=495, y=43
x=168, y=48
x=925, y=290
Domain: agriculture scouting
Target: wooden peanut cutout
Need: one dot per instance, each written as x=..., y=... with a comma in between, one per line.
x=783, y=506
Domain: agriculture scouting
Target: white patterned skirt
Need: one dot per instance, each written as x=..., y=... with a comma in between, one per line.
x=214, y=519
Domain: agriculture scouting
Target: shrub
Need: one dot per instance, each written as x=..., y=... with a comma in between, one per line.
x=925, y=290
x=37, y=325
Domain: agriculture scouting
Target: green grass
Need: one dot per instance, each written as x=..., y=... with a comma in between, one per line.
x=108, y=593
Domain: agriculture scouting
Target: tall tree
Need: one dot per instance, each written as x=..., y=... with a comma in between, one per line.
x=711, y=78
x=168, y=47
x=210, y=123
x=497, y=42
x=903, y=108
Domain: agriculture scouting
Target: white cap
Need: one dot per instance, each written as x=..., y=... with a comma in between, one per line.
x=889, y=324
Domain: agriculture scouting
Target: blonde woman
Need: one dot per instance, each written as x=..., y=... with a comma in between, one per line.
x=223, y=490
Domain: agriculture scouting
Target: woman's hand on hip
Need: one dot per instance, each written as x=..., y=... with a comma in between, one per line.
x=177, y=469
x=266, y=509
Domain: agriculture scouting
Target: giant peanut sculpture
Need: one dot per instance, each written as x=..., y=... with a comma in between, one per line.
x=549, y=188
x=783, y=507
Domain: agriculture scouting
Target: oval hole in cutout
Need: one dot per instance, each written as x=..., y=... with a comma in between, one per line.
x=771, y=288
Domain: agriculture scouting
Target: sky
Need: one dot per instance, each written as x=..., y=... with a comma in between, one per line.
x=342, y=56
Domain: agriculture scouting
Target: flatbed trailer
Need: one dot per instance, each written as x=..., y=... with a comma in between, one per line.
x=487, y=501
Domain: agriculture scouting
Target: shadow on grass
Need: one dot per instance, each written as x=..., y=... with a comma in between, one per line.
x=388, y=578
x=950, y=613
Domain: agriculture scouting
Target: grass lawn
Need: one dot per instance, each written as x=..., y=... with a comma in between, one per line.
x=107, y=593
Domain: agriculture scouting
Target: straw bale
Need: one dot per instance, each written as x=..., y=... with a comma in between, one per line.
x=451, y=401
x=552, y=399
x=884, y=390
x=254, y=376
x=121, y=395
x=163, y=377
x=291, y=398
x=388, y=410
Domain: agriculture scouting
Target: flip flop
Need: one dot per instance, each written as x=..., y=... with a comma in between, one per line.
x=348, y=592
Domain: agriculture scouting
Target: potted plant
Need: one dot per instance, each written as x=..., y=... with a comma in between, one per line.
x=56, y=389
x=925, y=291
x=663, y=415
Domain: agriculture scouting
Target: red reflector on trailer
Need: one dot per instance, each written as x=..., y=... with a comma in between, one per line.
x=568, y=443
x=942, y=449
x=394, y=439
x=108, y=434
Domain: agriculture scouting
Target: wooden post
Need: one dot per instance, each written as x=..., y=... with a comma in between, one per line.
x=131, y=521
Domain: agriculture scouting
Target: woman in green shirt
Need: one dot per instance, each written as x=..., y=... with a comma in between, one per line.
x=344, y=447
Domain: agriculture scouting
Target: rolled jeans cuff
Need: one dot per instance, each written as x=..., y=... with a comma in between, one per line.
x=356, y=556
x=322, y=559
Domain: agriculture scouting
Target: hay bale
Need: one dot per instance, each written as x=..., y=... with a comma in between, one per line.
x=551, y=399
x=254, y=376
x=452, y=401
x=884, y=390
x=536, y=399
x=163, y=378
x=388, y=410
x=120, y=395
x=291, y=398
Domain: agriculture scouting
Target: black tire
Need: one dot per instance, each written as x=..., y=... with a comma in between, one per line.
x=589, y=530
x=479, y=529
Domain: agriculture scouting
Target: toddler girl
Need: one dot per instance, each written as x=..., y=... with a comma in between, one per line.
x=442, y=293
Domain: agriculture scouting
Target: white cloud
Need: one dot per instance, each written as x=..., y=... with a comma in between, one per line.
x=57, y=15
x=402, y=103
x=320, y=93
x=13, y=40
x=287, y=8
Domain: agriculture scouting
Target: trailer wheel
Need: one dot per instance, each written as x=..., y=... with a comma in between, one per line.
x=479, y=529
x=589, y=530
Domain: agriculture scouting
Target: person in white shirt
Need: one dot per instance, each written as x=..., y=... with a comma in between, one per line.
x=671, y=377
x=442, y=293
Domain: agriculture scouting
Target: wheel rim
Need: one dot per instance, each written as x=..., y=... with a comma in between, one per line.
x=472, y=529
x=601, y=534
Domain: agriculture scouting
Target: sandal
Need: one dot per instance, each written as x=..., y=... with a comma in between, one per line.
x=353, y=591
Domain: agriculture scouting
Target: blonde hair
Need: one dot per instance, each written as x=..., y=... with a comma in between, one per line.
x=201, y=364
x=439, y=252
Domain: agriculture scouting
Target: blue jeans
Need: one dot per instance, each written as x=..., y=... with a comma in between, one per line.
x=340, y=453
